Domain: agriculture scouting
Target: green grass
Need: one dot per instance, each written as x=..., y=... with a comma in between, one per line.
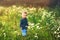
x=43, y=23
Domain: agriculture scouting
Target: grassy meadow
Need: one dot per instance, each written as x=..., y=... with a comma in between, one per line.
x=44, y=23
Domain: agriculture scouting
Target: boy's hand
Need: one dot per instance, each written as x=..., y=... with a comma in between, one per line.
x=25, y=26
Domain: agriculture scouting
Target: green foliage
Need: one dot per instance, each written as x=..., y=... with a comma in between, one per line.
x=42, y=23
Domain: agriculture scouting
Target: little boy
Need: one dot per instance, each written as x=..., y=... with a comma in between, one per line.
x=24, y=23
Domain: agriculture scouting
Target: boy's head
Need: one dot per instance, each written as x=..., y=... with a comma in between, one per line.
x=24, y=14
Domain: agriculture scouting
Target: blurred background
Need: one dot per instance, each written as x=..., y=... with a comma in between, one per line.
x=43, y=18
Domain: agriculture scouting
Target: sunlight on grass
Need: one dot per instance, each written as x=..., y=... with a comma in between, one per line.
x=42, y=23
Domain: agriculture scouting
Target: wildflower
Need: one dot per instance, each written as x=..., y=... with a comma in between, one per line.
x=14, y=6
x=36, y=35
x=29, y=27
x=15, y=32
x=32, y=24
x=58, y=36
x=32, y=9
x=18, y=33
x=18, y=8
x=55, y=32
x=4, y=34
x=58, y=29
x=37, y=27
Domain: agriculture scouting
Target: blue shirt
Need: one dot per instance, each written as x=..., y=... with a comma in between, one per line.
x=24, y=23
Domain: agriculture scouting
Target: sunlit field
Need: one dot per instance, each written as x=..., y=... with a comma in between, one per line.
x=44, y=23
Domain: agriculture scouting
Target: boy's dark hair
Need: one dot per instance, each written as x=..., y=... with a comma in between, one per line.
x=25, y=12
